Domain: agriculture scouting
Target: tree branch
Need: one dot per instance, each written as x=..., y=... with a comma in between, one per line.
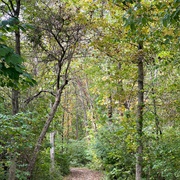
x=27, y=101
x=12, y=6
x=11, y=14
x=59, y=43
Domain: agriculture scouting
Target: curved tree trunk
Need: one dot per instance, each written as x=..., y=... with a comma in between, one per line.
x=44, y=131
x=139, y=123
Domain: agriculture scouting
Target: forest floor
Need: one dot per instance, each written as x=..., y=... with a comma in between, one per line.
x=84, y=174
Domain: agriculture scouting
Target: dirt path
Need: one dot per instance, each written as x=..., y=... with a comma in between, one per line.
x=84, y=174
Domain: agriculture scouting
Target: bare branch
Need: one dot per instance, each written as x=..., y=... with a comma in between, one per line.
x=12, y=6
x=27, y=101
x=59, y=43
x=11, y=13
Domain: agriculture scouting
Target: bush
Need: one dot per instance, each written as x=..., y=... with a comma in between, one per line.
x=162, y=159
x=43, y=166
x=63, y=163
x=116, y=154
x=78, y=153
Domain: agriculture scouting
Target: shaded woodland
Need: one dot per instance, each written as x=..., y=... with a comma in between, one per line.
x=90, y=83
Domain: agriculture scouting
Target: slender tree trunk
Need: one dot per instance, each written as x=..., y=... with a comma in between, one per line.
x=77, y=116
x=52, y=151
x=77, y=126
x=44, y=131
x=91, y=106
x=85, y=119
x=12, y=169
x=158, y=129
x=15, y=93
x=15, y=110
x=62, y=134
x=81, y=93
x=110, y=108
x=139, y=151
x=68, y=127
x=15, y=101
x=63, y=119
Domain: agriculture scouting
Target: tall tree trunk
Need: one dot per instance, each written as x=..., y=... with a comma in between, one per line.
x=139, y=123
x=15, y=93
x=15, y=110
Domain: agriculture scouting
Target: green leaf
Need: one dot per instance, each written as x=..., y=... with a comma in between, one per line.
x=3, y=38
x=11, y=21
x=177, y=1
x=22, y=28
x=12, y=73
x=25, y=27
x=144, y=20
x=175, y=14
x=14, y=59
x=19, y=68
x=166, y=20
x=132, y=26
x=4, y=50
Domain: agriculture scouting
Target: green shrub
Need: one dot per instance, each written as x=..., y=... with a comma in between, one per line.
x=63, y=163
x=43, y=166
x=162, y=160
x=117, y=156
x=78, y=153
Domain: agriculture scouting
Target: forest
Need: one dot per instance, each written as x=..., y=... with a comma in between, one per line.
x=90, y=83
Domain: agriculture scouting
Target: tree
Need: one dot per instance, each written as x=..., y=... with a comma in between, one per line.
x=108, y=84
x=11, y=62
x=138, y=30
x=61, y=30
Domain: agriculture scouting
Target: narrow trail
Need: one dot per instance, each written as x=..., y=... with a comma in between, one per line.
x=84, y=174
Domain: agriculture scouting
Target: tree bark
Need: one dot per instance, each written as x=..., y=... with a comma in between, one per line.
x=15, y=93
x=52, y=150
x=139, y=123
x=15, y=101
x=62, y=134
x=12, y=169
x=110, y=108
